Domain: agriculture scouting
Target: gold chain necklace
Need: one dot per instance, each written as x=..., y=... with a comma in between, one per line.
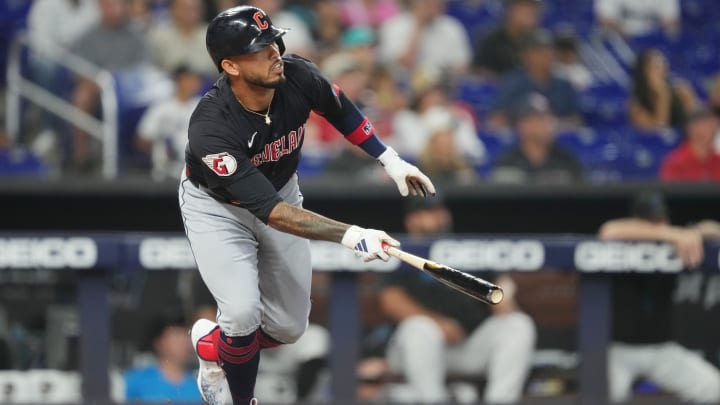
x=268, y=121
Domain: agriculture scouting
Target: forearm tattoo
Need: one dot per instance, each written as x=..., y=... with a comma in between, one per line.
x=307, y=224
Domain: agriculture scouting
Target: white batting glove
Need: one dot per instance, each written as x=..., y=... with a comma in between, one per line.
x=407, y=177
x=367, y=243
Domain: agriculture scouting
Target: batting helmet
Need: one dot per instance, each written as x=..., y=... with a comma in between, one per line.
x=241, y=30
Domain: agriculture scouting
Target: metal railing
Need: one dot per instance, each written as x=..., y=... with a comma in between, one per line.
x=18, y=87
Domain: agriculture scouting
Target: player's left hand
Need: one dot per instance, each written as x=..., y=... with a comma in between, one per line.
x=409, y=179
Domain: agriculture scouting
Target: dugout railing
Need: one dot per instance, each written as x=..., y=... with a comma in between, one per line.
x=93, y=255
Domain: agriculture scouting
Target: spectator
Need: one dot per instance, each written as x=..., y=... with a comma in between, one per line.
x=642, y=310
x=296, y=372
x=346, y=72
x=696, y=159
x=411, y=133
x=181, y=42
x=112, y=45
x=328, y=28
x=163, y=129
x=361, y=44
x=536, y=158
x=448, y=152
x=498, y=51
x=536, y=76
x=424, y=37
x=168, y=379
x=567, y=62
x=714, y=104
x=638, y=17
x=368, y=13
x=298, y=40
x=655, y=101
x=54, y=25
x=437, y=335
x=714, y=95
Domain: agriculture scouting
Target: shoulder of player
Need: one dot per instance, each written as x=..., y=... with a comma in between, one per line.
x=298, y=68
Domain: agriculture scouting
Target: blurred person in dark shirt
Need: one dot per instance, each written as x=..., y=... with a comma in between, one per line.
x=642, y=334
x=440, y=331
x=657, y=101
x=498, y=51
x=181, y=41
x=537, y=75
x=169, y=378
x=112, y=45
x=695, y=159
x=536, y=158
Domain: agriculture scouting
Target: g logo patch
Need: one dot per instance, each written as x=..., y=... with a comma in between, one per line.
x=223, y=164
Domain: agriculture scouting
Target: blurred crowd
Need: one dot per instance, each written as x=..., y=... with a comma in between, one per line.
x=503, y=90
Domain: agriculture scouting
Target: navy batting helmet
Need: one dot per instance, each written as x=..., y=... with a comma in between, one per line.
x=241, y=30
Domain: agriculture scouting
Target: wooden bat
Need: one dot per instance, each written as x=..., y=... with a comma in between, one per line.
x=475, y=287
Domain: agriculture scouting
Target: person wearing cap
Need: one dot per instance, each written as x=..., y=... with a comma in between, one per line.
x=435, y=334
x=498, y=50
x=696, y=159
x=536, y=76
x=162, y=131
x=642, y=336
x=536, y=158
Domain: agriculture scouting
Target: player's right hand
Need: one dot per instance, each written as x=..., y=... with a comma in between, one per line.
x=367, y=243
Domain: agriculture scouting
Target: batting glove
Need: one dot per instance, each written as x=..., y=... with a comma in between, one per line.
x=407, y=177
x=367, y=243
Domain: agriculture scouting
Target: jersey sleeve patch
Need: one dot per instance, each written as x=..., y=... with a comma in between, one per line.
x=223, y=164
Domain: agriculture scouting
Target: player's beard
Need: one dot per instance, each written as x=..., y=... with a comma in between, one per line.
x=277, y=83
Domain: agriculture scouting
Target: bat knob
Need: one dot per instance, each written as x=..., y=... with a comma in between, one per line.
x=385, y=246
x=496, y=296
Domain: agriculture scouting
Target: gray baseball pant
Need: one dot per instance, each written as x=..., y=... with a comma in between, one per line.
x=259, y=276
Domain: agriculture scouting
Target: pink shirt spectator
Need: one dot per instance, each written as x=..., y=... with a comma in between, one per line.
x=369, y=13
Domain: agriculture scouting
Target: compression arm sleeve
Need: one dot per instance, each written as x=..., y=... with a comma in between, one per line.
x=355, y=126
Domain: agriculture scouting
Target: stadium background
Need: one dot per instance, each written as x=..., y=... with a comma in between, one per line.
x=42, y=302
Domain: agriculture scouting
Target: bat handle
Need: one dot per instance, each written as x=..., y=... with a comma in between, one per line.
x=389, y=249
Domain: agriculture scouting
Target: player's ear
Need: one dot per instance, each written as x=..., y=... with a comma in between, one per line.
x=230, y=67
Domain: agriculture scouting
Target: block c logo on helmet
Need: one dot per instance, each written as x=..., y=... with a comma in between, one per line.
x=223, y=164
x=258, y=17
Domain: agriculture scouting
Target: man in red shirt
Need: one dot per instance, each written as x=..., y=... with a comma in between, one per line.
x=695, y=159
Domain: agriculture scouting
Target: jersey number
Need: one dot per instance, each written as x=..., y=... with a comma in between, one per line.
x=258, y=19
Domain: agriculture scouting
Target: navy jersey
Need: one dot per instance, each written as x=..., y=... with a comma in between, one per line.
x=237, y=155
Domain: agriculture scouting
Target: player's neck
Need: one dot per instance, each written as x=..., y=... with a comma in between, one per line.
x=254, y=98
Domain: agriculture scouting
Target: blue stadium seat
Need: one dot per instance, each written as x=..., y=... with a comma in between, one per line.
x=21, y=162
x=604, y=105
x=477, y=93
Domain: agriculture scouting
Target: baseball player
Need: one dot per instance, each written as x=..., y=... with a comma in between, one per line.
x=241, y=204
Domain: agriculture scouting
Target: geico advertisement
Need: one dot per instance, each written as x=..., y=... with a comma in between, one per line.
x=175, y=253
x=49, y=253
x=596, y=256
x=166, y=253
x=490, y=254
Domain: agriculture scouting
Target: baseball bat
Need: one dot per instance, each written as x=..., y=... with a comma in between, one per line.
x=475, y=287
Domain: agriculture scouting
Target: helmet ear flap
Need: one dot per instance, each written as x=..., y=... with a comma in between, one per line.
x=281, y=45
